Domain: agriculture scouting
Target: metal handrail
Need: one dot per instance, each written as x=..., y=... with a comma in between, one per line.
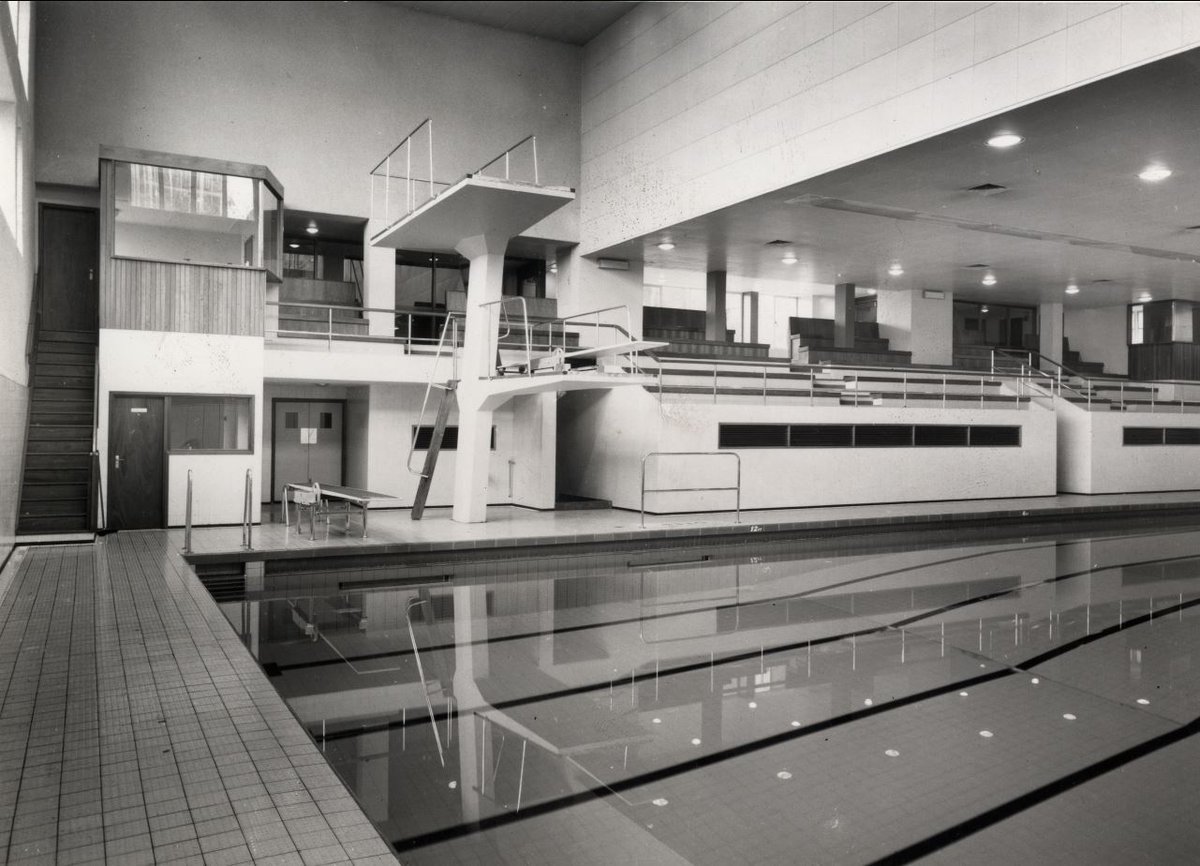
x=505, y=156
x=737, y=487
x=451, y=327
x=247, y=525
x=386, y=163
x=421, y=673
x=525, y=325
x=187, y=517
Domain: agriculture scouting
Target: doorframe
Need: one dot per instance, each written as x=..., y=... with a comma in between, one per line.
x=41, y=253
x=166, y=464
x=274, y=432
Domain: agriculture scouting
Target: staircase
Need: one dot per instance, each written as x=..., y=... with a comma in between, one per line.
x=58, y=441
x=1073, y=361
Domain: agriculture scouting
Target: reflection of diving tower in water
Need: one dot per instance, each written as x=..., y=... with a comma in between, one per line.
x=476, y=217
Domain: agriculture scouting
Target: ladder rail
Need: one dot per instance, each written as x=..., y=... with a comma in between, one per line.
x=450, y=327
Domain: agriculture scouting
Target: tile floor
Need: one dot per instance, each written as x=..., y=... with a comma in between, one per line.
x=135, y=728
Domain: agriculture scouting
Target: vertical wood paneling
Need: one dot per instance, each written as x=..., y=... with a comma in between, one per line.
x=194, y=299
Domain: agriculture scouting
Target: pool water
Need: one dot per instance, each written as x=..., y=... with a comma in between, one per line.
x=985, y=700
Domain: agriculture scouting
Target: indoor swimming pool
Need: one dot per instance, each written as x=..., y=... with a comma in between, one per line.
x=982, y=700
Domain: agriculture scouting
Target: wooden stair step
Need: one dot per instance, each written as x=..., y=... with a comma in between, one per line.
x=52, y=523
x=58, y=461
x=54, y=507
x=45, y=491
x=86, y=337
x=56, y=475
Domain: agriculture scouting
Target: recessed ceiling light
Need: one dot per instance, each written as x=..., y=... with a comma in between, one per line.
x=1154, y=172
x=789, y=259
x=869, y=291
x=1072, y=289
x=311, y=228
x=293, y=245
x=984, y=308
x=989, y=280
x=666, y=245
x=1144, y=296
x=1005, y=139
x=895, y=270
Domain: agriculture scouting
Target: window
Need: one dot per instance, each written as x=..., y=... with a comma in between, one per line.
x=868, y=436
x=181, y=215
x=1160, y=436
x=291, y=420
x=424, y=436
x=326, y=421
x=209, y=424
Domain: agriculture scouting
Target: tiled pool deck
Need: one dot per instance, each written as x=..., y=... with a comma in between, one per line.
x=136, y=728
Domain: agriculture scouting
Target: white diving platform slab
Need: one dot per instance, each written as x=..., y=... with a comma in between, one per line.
x=554, y=360
x=501, y=390
x=476, y=205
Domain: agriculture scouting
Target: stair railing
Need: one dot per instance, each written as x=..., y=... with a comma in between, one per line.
x=411, y=188
x=506, y=156
x=449, y=328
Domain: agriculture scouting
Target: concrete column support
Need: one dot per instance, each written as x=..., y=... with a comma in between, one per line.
x=715, y=317
x=843, y=316
x=379, y=284
x=1050, y=329
x=486, y=255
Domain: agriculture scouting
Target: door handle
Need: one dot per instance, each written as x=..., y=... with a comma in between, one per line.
x=117, y=460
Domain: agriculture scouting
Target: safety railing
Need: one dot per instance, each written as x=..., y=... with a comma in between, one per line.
x=860, y=387
x=450, y=329
x=556, y=334
x=324, y=321
x=501, y=319
x=187, y=517
x=737, y=488
x=403, y=180
x=507, y=160
x=247, y=514
x=1095, y=392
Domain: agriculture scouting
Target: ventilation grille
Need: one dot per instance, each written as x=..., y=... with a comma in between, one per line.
x=988, y=189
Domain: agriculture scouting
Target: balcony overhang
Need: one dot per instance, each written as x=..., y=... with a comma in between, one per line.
x=474, y=206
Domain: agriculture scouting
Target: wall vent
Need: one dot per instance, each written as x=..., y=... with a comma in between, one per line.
x=988, y=189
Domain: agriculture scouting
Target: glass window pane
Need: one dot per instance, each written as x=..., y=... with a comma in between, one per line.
x=209, y=424
x=239, y=198
x=210, y=194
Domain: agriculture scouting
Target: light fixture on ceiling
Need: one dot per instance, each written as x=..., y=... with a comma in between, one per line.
x=1154, y=172
x=895, y=270
x=1144, y=297
x=666, y=245
x=789, y=259
x=989, y=280
x=311, y=228
x=1005, y=139
x=293, y=245
x=1072, y=289
x=983, y=309
x=869, y=292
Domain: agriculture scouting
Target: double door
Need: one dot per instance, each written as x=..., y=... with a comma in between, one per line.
x=308, y=439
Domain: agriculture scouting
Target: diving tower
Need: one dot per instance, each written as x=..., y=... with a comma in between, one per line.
x=476, y=217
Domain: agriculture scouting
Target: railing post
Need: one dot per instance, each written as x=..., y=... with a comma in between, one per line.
x=812, y=386
x=904, y=392
x=537, y=182
x=981, y=386
x=329, y=335
x=187, y=517
x=430, y=128
x=993, y=354
x=387, y=190
x=408, y=184
x=714, y=383
x=764, y=385
x=943, y=392
x=738, y=501
x=247, y=526
x=644, y=459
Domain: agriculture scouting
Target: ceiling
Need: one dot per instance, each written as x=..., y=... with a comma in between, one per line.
x=1072, y=211
x=574, y=23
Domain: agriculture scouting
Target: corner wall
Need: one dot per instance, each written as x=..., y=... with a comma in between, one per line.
x=17, y=255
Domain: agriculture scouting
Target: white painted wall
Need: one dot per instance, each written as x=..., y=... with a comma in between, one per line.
x=611, y=433
x=155, y=362
x=394, y=411
x=913, y=323
x=1099, y=334
x=1096, y=461
x=690, y=107
x=236, y=81
x=1050, y=331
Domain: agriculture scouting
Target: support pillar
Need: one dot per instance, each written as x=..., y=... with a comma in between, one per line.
x=472, y=459
x=715, y=318
x=1051, y=333
x=750, y=317
x=379, y=285
x=843, y=316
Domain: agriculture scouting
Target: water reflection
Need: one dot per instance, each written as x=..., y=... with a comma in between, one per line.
x=458, y=707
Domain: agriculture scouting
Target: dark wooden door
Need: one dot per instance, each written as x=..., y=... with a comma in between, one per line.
x=136, y=465
x=68, y=265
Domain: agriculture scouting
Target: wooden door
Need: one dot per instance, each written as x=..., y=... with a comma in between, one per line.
x=137, y=463
x=68, y=267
